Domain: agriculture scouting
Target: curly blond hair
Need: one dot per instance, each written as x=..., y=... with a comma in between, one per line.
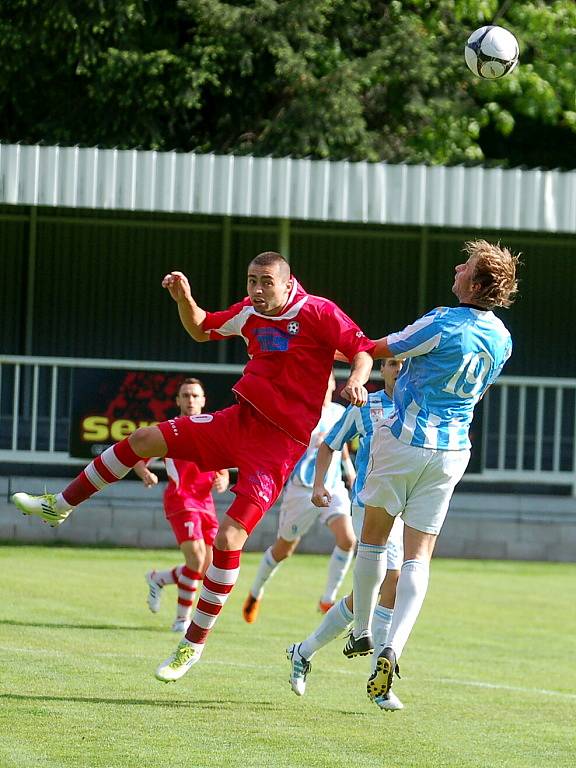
x=494, y=274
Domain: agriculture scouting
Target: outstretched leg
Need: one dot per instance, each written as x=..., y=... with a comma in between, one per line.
x=112, y=465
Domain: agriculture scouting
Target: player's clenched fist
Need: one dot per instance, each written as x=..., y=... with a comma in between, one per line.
x=321, y=497
x=355, y=393
x=178, y=286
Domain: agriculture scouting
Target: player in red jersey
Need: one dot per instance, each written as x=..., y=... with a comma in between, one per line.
x=189, y=508
x=291, y=338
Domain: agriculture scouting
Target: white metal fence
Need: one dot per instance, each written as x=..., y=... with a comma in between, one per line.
x=524, y=430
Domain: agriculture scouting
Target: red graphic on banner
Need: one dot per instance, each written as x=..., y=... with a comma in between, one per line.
x=140, y=393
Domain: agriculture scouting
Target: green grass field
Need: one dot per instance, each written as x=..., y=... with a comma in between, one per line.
x=489, y=677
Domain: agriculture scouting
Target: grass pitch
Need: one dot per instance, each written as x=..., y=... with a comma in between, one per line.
x=489, y=677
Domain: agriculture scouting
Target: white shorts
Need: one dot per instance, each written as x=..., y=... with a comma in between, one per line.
x=395, y=545
x=298, y=514
x=416, y=483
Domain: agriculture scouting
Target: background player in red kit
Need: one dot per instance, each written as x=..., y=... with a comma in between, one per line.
x=189, y=508
x=291, y=339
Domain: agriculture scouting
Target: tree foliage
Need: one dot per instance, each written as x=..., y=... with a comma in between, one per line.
x=357, y=79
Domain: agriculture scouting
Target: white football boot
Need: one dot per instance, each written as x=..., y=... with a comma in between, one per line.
x=154, y=592
x=299, y=669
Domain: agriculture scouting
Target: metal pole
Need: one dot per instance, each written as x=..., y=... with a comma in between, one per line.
x=29, y=300
x=284, y=238
x=225, y=275
x=30, y=285
x=423, y=270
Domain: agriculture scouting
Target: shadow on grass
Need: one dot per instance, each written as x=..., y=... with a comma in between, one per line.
x=174, y=704
x=59, y=625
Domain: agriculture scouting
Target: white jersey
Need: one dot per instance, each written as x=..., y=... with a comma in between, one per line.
x=303, y=473
x=360, y=421
x=454, y=354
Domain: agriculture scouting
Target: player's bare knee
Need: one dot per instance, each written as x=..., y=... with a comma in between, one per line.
x=194, y=552
x=148, y=442
x=231, y=536
x=346, y=542
x=344, y=535
x=282, y=548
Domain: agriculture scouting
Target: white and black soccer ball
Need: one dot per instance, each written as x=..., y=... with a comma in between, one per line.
x=491, y=52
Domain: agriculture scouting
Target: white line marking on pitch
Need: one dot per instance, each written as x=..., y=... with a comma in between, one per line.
x=276, y=668
x=501, y=687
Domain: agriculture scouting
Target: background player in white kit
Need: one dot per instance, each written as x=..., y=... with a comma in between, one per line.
x=298, y=514
x=356, y=421
x=420, y=453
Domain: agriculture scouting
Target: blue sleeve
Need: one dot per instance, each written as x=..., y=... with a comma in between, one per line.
x=344, y=430
x=420, y=337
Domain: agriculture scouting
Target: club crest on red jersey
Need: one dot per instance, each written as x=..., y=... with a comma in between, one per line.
x=293, y=327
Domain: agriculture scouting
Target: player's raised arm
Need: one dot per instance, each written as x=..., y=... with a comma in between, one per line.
x=191, y=315
x=381, y=349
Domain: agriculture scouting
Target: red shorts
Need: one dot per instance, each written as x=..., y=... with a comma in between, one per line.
x=240, y=437
x=194, y=525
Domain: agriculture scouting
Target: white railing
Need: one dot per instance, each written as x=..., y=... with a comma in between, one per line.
x=528, y=432
x=35, y=400
x=524, y=430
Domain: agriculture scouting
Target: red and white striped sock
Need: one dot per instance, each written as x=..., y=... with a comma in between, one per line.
x=112, y=465
x=218, y=582
x=162, y=578
x=188, y=581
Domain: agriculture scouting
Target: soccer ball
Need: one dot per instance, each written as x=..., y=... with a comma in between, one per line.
x=491, y=52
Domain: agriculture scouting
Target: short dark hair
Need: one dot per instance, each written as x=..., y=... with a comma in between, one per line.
x=267, y=258
x=190, y=380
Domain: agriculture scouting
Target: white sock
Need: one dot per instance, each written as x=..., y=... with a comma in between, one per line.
x=410, y=594
x=171, y=576
x=369, y=573
x=267, y=568
x=61, y=503
x=340, y=560
x=335, y=621
x=198, y=646
x=381, y=622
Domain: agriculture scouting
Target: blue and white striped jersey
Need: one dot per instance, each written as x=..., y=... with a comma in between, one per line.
x=454, y=354
x=303, y=472
x=360, y=421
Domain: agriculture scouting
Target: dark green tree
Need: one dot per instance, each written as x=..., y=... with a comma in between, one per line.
x=357, y=79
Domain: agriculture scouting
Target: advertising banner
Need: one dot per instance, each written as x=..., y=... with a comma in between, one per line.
x=108, y=405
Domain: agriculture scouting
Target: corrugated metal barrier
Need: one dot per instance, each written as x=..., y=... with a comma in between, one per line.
x=285, y=188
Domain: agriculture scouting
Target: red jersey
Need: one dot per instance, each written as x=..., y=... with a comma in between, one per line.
x=188, y=488
x=291, y=356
